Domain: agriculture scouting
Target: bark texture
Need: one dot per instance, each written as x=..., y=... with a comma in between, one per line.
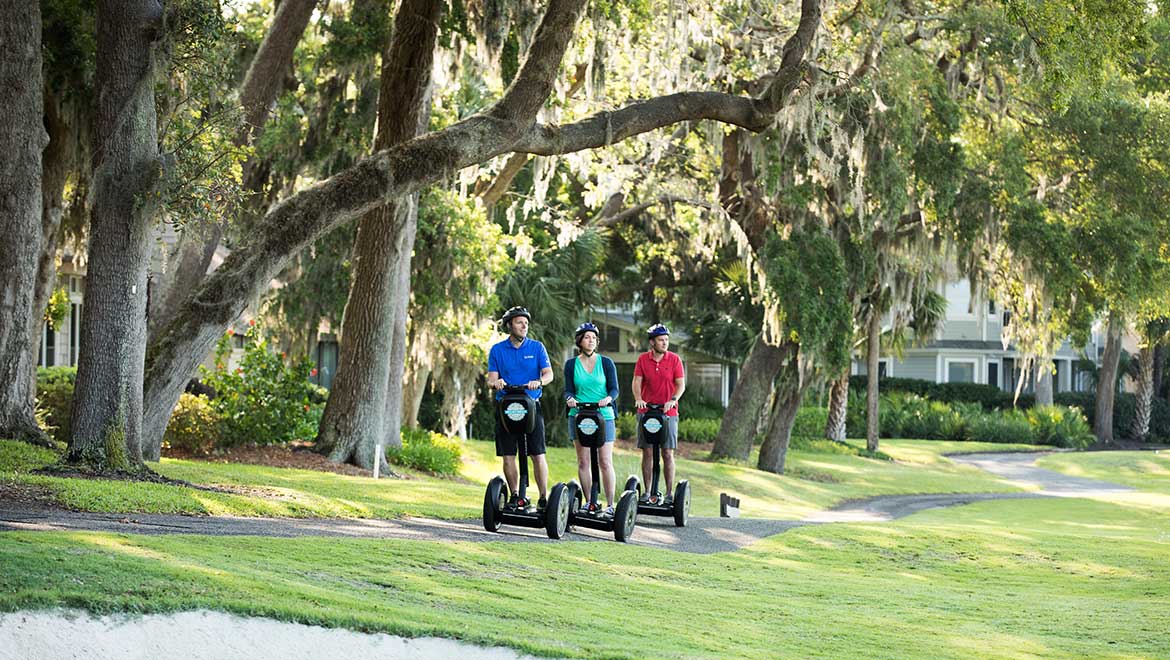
x=873, y=351
x=749, y=401
x=1145, y=394
x=22, y=138
x=391, y=174
x=107, y=401
x=790, y=385
x=1107, y=382
x=838, y=408
x=365, y=404
x=1044, y=383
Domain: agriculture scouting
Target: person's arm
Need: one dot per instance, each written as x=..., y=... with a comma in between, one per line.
x=570, y=386
x=611, y=382
x=636, y=388
x=493, y=375
x=680, y=386
x=546, y=377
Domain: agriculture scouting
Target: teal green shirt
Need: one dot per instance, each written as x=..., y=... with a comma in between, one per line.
x=590, y=386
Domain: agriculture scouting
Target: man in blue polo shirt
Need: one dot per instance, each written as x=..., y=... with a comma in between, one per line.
x=519, y=360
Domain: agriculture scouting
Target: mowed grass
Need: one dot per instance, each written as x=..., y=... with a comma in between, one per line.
x=1061, y=578
x=1143, y=470
x=815, y=480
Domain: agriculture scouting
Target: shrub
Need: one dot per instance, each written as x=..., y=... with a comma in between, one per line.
x=55, y=399
x=263, y=401
x=1060, y=426
x=697, y=430
x=427, y=451
x=627, y=426
x=696, y=404
x=194, y=426
x=810, y=422
x=1000, y=426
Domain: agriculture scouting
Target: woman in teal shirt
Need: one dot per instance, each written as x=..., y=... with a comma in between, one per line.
x=592, y=378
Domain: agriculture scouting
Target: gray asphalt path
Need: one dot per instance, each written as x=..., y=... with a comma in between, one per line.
x=701, y=535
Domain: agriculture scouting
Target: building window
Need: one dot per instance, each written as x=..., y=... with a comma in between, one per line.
x=50, y=339
x=610, y=340
x=1007, y=319
x=993, y=373
x=961, y=371
x=74, y=331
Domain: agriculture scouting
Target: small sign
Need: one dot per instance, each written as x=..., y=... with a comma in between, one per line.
x=516, y=411
x=587, y=426
x=652, y=425
x=728, y=506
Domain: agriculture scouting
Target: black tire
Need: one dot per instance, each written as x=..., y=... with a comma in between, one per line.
x=573, y=492
x=556, y=514
x=633, y=484
x=494, y=500
x=682, y=503
x=625, y=517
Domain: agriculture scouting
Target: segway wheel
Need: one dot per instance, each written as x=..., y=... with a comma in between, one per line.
x=633, y=484
x=682, y=503
x=625, y=516
x=573, y=492
x=556, y=515
x=494, y=500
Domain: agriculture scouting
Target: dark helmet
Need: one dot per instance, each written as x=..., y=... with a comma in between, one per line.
x=656, y=330
x=582, y=329
x=506, y=320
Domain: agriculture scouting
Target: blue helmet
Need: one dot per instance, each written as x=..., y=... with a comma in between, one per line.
x=506, y=320
x=656, y=330
x=582, y=329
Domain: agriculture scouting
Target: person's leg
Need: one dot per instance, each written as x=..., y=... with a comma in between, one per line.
x=512, y=474
x=536, y=449
x=668, y=447
x=605, y=463
x=647, y=469
x=584, y=471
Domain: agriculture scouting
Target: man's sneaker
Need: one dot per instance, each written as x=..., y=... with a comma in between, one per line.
x=668, y=501
x=644, y=498
x=590, y=507
x=514, y=501
x=608, y=511
x=541, y=503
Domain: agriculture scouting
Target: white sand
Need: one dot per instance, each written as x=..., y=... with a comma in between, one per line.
x=204, y=635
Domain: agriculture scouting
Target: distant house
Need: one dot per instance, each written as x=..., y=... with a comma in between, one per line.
x=623, y=339
x=971, y=348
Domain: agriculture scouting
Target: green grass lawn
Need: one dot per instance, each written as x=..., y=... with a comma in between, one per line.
x=815, y=480
x=1144, y=470
x=1061, y=578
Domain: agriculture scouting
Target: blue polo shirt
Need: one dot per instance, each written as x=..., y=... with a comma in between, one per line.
x=518, y=365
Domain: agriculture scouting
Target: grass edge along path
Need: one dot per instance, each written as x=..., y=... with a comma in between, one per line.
x=815, y=481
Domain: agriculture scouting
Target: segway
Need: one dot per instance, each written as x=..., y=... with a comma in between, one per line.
x=517, y=413
x=654, y=432
x=590, y=427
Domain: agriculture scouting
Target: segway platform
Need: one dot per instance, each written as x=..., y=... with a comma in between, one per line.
x=654, y=432
x=590, y=426
x=517, y=412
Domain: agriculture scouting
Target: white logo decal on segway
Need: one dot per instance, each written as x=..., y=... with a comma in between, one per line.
x=515, y=411
x=652, y=425
x=587, y=426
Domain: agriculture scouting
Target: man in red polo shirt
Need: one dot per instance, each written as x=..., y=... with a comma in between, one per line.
x=659, y=379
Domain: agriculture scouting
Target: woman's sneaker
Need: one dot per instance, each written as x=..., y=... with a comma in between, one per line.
x=608, y=511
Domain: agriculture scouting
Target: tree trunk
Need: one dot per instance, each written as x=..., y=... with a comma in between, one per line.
x=508, y=125
x=789, y=392
x=1107, y=381
x=261, y=86
x=412, y=395
x=873, y=352
x=22, y=138
x=107, y=400
x=838, y=407
x=1160, y=388
x=1043, y=375
x=1145, y=394
x=365, y=403
x=749, y=401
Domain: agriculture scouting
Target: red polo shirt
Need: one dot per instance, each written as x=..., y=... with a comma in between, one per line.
x=658, y=378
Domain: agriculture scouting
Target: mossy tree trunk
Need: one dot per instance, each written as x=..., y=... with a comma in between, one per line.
x=366, y=399
x=22, y=138
x=107, y=400
x=838, y=408
x=1107, y=381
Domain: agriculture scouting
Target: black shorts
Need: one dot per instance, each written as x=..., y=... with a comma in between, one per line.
x=507, y=444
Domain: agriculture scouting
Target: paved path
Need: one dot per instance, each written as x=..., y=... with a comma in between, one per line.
x=701, y=535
